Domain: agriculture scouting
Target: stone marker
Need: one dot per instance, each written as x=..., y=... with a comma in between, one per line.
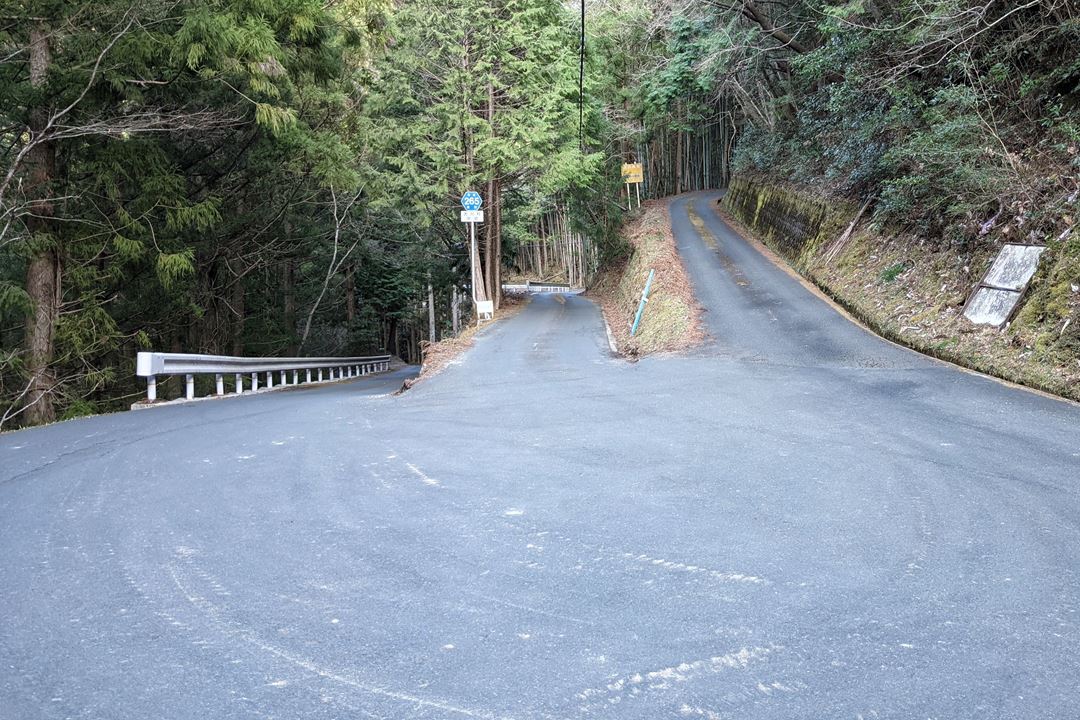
x=997, y=295
x=1014, y=267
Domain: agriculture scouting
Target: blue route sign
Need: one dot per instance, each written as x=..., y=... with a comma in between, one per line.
x=471, y=200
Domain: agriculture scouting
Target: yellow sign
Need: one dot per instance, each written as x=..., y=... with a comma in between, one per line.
x=632, y=173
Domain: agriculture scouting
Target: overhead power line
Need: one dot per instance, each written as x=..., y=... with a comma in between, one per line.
x=581, y=82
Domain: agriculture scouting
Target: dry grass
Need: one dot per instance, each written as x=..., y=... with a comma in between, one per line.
x=672, y=317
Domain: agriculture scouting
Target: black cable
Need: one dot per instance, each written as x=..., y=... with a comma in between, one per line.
x=581, y=82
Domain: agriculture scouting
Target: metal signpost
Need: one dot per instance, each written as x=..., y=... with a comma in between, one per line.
x=472, y=214
x=641, y=305
x=633, y=174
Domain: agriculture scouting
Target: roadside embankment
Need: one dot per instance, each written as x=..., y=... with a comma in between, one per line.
x=671, y=320
x=912, y=290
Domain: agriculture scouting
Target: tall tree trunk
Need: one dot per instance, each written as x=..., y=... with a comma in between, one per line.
x=238, y=316
x=455, y=310
x=43, y=273
x=678, y=162
x=496, y=209
x=289, y=309
x=490, y=227
x=431, y=309
x=489, y=244
x=350, y=292
x=476, y=266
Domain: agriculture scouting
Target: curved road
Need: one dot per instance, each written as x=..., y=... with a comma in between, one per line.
x=798, y=521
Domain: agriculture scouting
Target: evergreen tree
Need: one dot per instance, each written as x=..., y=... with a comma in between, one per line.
x=147, y=145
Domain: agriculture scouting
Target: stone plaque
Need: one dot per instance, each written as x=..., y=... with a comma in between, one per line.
x=991, y=306
x=1014, y=267
x=994, y=300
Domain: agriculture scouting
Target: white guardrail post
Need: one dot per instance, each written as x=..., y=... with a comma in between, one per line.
x=152, y=364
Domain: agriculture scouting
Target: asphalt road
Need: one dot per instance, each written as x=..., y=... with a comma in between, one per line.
x=796, y=521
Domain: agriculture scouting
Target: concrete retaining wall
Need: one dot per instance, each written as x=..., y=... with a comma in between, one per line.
x=793, y=223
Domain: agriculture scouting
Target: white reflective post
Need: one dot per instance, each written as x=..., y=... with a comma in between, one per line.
x=283, y=380
x=189, y=381
x=239, y=383
x=219, y=380
x=308, y=371
x=151, y=387
x=295, y=377
x=269, y=378
x=320, y=374
x=254, y=381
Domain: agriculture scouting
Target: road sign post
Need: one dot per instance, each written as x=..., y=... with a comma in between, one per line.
x=471, y=202
x=641, y=305
x=633, y=174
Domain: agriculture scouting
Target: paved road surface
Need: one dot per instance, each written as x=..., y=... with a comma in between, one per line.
x=798, y=521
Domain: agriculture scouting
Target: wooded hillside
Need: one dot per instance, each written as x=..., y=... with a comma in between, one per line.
x=279, y=177
x=271, y=177
x=955, y=126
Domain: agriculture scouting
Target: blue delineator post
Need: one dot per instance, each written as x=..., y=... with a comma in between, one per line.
x=641, y=305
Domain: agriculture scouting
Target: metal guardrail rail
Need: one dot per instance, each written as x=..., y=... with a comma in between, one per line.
x=152, y=364
x=531, y=287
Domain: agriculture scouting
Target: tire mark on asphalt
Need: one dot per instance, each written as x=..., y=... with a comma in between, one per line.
x=230, y=628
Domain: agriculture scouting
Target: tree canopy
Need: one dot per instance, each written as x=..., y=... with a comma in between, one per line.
x=270, y=177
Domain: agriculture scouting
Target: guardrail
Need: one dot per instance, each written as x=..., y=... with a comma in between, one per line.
x=530, y=287
x=152, y=364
